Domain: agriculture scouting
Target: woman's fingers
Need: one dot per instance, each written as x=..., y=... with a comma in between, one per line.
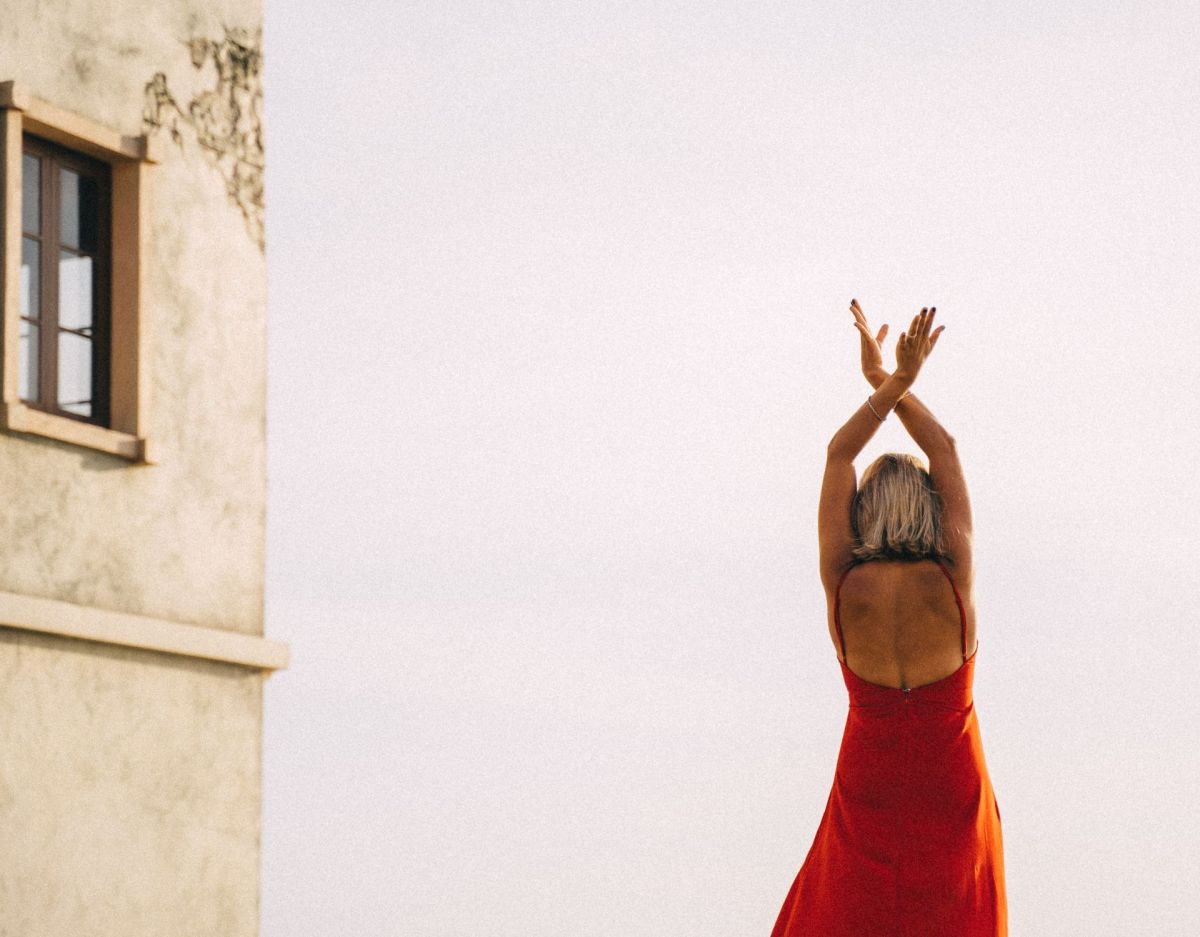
x=923, y=323
x=919, y=331
x=915, y=344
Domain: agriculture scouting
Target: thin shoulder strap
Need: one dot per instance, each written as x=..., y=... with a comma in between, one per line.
x=837, y=617
x=961, y=613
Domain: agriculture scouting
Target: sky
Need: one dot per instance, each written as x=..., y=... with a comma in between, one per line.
x=559, y=331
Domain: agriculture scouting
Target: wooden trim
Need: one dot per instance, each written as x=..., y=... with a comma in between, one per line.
x=129, y=322
x=19, y=417
x=10, y=264
x=71, y=129
x=129, y=331
x=52, y=616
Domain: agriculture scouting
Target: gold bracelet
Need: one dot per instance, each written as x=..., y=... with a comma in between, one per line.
x=873, y=410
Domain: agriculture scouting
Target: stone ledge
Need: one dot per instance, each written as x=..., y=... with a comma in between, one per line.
x=53, y=616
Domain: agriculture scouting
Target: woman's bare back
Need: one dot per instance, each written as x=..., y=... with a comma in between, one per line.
x=901, y=623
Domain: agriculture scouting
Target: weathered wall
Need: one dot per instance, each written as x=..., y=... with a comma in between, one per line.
x=129, y=780
x=129, y=792
x=181, y=540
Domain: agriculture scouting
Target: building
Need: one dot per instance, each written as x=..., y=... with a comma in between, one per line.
x=133, y=467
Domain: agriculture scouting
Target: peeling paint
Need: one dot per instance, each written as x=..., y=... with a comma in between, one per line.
x=225, y=121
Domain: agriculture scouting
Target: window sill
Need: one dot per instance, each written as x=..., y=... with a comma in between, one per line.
x=17, y=417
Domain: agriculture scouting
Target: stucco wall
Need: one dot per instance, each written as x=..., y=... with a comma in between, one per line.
x=130, y=780
x=184, y=539
x=129, y=792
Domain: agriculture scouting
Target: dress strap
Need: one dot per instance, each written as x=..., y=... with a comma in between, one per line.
x=961, y=613
x=837, y=617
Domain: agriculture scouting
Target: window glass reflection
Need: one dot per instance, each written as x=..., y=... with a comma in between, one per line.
x=74, y=291
x=31, y=269
x=31, y=194
x=78, y=206
x=29, y=360
x=75, y=373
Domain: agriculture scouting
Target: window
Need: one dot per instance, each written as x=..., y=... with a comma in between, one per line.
x=72, y=262
x=64, y=281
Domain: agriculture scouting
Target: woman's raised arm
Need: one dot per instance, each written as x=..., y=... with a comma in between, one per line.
x=946, y=473
x=921, y=424
x=857, y=431
x=945, y=470
x=834, y=526
x=835, y=531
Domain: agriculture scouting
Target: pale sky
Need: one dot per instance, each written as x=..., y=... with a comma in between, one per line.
x=558, y=336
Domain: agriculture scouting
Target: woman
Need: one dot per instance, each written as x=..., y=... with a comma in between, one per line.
x=910, y=842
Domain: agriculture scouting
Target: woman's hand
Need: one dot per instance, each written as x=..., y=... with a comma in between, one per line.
x=914, y=346
x=872, y=354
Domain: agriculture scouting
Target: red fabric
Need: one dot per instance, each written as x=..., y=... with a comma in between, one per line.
x=910, y=842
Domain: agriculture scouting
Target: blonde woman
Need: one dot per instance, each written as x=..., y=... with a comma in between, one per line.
x=910, y=841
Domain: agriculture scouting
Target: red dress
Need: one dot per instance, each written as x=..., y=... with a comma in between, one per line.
x=910, y=842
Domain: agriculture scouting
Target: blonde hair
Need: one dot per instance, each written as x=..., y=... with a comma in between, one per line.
x=896, y=512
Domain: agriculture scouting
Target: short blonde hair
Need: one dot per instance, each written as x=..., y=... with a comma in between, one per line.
x=896, y=512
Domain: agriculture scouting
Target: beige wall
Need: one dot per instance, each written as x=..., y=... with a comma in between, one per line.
x=129, y=791
x=130, y=779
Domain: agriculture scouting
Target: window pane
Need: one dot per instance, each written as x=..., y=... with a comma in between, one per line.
x=74, y=291
x=29, y=360
x=31, y=278
x=75, y=373
x=31, y=192
x=78, y=215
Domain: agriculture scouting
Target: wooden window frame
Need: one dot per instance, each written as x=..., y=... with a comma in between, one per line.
x=129, y=160
x=53, y=158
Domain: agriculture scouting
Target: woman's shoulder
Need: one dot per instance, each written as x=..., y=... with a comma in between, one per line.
x=883, y=571
x=889, y=572
x=890, y=584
